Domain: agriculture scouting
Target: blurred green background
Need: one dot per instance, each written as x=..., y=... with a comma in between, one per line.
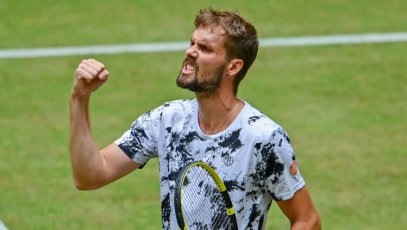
x=344, y=106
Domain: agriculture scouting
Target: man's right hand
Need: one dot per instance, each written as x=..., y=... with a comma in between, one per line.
x=92, y=168
x=89, y=76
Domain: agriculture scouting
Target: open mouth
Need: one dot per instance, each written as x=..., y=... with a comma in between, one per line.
x=189, y=67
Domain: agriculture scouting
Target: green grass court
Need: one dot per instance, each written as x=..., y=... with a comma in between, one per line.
x=344, y=106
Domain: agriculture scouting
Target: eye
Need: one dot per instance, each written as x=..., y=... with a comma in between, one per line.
x=204, y=48
x=200, y=46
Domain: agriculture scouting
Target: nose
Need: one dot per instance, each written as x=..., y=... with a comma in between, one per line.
x=192, y=51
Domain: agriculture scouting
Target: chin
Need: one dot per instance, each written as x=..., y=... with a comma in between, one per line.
x=183, y=81
x=189, y=84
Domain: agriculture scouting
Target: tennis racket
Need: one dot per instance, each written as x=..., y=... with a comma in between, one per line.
x=201, y=199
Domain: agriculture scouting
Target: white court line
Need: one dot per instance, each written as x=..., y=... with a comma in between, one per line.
x=2, y=226
x=180, y=46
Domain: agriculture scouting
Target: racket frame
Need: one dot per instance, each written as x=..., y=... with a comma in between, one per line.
x=230, y=211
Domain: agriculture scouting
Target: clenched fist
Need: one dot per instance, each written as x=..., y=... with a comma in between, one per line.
x=90, y=69
x=89, y=76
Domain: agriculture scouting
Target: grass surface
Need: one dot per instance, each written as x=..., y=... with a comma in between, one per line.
x=343, y=106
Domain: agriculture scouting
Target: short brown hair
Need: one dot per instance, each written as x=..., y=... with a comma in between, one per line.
x=240, y=36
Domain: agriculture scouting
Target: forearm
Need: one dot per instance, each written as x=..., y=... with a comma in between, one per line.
x=87, y=162
x=300, y=211
x=311, y=223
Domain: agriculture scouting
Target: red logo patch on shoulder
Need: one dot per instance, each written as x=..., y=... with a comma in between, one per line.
x=293, y=168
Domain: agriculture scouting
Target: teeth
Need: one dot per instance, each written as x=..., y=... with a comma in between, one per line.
x=189, y=68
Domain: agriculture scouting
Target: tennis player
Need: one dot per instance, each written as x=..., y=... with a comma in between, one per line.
x=250, y=152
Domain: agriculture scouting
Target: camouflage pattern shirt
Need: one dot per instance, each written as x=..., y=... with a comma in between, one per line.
x=253, y=156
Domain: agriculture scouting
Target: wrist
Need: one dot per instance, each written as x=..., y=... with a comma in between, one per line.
x=79, y=97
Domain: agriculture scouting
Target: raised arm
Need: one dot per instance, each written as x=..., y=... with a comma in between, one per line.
x=92, y=168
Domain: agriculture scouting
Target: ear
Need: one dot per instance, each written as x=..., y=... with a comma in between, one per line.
x=234, y=66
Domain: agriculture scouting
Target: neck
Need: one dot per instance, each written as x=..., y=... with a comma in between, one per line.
x=216, y=114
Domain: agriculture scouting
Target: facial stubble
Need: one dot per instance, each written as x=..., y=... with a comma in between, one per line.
x=204, y=83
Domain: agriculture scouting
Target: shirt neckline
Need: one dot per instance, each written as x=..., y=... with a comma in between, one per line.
x=212, y=136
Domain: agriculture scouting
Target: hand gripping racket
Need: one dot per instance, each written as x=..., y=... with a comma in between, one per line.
x=201, y=199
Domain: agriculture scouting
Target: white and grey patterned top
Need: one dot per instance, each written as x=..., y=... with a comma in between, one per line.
x=253, y=156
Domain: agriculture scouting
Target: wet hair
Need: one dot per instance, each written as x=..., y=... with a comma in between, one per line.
x=240, y=36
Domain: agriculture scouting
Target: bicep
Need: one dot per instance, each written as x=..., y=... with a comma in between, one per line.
x=117, y=163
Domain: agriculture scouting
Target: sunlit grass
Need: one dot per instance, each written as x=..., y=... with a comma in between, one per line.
x=343, y=106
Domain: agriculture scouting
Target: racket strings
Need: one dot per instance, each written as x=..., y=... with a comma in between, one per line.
x=197, y=200
x=203, y=205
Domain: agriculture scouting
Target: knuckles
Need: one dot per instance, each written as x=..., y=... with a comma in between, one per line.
x=91, y=68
